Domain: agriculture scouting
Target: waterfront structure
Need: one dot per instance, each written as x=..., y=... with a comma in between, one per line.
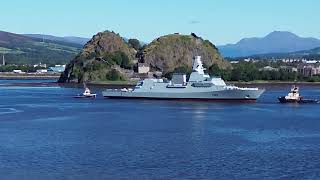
x=312, y=62
x=57, y=69
x=40, y=71
x=143, y=68
x=268, y=68
x=40, y=65
x=18, y=71
x=234, y=62
x=307, y=70
x=288, y=69
x=199, y=87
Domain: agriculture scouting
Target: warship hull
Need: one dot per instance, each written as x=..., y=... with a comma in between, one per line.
x=225, y=95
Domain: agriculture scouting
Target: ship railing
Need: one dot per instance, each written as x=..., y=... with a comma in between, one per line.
x=119, y=90
x=239, y=88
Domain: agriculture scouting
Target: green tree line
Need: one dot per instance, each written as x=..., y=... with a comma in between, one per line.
x=249, y=71
x=10, y=68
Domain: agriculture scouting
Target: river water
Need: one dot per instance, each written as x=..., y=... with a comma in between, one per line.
x=47, y=134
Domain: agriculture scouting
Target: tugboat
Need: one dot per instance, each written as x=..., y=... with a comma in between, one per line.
x=294, y=97
x=86, y=94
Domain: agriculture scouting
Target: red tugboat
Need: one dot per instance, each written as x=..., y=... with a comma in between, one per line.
x=294, y=97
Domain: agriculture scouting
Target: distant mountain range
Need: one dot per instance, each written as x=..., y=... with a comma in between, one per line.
x=35, y=48
x=307, y=54
x=69, y=39
x=22, y=49
x=275, y=42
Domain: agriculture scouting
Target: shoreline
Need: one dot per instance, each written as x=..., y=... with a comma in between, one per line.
x=10, y=76
x=33, y=76
x=276, y=84
x=130, y=84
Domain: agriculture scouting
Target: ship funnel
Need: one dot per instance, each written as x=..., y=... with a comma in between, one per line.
x=197, y=65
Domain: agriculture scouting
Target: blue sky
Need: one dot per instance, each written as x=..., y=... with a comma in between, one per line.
x=220, y=21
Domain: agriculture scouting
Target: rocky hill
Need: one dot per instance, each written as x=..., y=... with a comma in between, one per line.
x=107, y=56
x=172, y=51
x=104, y=52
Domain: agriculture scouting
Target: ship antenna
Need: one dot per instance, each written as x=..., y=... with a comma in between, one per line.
x=3, y=60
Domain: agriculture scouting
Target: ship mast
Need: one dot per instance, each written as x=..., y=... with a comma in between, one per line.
x=197, y=65
x=3, y=60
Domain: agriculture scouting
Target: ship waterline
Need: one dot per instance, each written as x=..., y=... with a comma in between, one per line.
x=199, y=87
x=209, y=95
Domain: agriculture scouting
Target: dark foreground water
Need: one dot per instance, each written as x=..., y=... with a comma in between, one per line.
x=46, y=134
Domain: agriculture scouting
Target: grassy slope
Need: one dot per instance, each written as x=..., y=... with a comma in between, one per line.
x=25, y=50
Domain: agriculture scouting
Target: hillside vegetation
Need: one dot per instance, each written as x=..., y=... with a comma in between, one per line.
x=175, y=51
x=19, y=49
x=102, y=58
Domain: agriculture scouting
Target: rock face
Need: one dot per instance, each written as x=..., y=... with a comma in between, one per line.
x=107, y=42
x=101, y=55
x=91, y=63
x=172, y=51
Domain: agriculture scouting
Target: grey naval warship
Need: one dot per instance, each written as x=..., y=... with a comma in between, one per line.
x=199, y=87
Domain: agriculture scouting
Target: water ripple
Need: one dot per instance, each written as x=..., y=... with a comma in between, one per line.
x=9, y=111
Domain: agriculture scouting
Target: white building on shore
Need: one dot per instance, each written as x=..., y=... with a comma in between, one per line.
x=143, y=68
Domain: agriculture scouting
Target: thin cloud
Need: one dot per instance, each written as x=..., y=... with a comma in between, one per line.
x=194, y=22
